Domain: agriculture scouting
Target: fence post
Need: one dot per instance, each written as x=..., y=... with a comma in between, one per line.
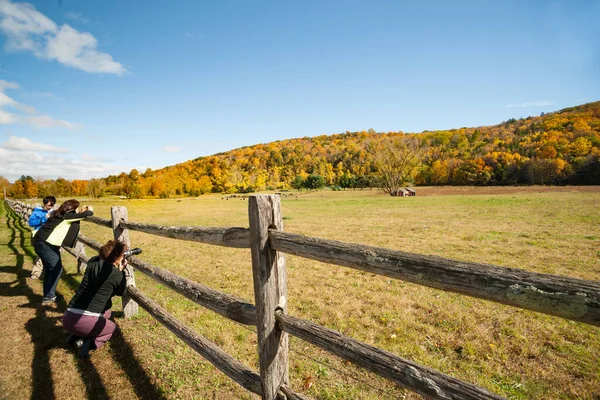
x=270, y=293
x=80, y=251
x=130, y=307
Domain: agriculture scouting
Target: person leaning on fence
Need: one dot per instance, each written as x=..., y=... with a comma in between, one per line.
x=38, y=217
x=61, y=229
x=88, y=312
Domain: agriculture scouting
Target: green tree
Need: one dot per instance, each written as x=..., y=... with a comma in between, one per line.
x=314, y=182
x=298, y=182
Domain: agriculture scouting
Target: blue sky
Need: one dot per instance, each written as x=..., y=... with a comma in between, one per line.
x=92, y=88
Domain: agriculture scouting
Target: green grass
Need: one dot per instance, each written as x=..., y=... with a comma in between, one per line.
x=515, y=353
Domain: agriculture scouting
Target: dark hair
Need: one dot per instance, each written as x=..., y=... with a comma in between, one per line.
x=67, y=206
x=49, y=199
x=111, y=251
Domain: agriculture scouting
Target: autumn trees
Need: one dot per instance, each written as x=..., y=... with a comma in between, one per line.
x=557, y=148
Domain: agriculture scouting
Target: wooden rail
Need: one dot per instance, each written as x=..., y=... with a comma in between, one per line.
x=222, y=303
x=425, y=381
x=229, y=237
x=569, y=298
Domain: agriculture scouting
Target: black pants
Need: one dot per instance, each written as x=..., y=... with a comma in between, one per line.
x=53, y=267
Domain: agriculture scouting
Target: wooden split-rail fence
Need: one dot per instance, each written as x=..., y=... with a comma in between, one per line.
x=570, y=298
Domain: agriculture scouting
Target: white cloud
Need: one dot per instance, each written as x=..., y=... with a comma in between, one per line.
x=77, y=17
x=76, y=49
x=7, y=118
x=7, y=101
x=7, y=85
x=22, y=23
x=47, y=95
x=90, y=158
x=33, y=119
x=171, y=149
x=29, y=30
x=24, y=144
x=14, y=163
x=531, y=104
x=44, y=121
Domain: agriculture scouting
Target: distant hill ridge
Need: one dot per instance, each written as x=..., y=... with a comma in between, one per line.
x=561, y=147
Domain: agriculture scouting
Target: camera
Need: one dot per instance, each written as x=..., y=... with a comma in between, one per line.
x=132, y=252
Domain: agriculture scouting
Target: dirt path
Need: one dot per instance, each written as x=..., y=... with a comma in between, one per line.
x=35, y=362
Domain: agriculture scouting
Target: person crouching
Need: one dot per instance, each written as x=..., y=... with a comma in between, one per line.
x=88, y=312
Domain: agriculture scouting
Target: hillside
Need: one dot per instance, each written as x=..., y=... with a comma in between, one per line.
x=557, y=148
x=562, y=147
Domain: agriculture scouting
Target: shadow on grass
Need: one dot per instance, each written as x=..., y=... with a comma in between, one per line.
x=46, y=332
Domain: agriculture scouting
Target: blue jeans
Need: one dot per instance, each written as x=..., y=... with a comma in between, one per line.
x=50, y=256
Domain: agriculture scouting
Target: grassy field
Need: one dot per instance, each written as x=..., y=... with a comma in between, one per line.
x=515, y=353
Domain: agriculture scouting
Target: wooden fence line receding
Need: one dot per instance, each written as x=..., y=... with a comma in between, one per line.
x=94, y=244
x=425, y=381
x=100, y=221
x=219, y=236
x=222, y=303
x=569, y=298
x=229, y=365
x=226, y=363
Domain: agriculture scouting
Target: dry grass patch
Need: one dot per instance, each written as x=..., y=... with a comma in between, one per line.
x=516, y=353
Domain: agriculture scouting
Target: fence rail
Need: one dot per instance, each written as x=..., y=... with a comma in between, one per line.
x=569, y=298
x=561, y=296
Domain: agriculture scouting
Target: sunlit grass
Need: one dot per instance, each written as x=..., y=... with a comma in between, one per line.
x=516, y=353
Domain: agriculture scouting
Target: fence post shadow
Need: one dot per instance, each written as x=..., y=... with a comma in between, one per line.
x=46, y=332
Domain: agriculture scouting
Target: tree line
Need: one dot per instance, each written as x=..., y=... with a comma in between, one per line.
x=555, y=148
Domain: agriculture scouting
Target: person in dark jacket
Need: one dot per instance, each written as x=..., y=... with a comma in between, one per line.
x=88, y=312
x=61, y=229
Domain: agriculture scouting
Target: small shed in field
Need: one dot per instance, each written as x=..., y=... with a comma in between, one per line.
x=400, y=192
x=411, y=192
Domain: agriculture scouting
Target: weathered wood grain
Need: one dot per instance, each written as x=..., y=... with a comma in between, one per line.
x=80, y=257
x=118, y=215
x=94, y=244
x=425, y=381
x=100, y=221
x=227, y=364
x=565, y=297
x=222, y=303
x=270, y=293
x=220, y=236
x=223, y=361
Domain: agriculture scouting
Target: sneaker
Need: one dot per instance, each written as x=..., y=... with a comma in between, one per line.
x=73, y=339
x=84, y=349
x=52, y=300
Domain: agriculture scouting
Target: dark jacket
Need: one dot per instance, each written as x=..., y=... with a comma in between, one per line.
x=62, y=230
x=100, y=283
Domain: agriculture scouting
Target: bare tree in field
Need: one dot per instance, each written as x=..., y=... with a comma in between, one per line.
x=396, y=158
x=95, y=188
